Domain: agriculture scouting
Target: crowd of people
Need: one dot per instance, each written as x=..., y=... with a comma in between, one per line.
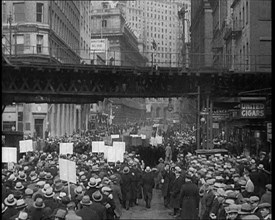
x=193, y=186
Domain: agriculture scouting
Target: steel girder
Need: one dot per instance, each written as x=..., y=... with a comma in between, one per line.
x=50, y=83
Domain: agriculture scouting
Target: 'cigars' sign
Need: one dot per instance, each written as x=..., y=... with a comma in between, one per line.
x=252, y=110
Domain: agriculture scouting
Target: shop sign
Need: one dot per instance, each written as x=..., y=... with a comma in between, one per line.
x=252, y=110
x=269, y=131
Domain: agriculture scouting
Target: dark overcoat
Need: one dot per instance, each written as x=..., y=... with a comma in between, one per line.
x=189, y=199
x=168, y=176
x=87, y=213
x=175, y=192
x=126, y=187
x=148, y=184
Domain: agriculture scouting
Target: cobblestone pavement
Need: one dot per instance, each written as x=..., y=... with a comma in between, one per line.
x=157, y=210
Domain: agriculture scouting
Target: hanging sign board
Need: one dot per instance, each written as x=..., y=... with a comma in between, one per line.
x=252, y=110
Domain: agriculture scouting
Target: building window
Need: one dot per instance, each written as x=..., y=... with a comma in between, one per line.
x=247, y=12
x=27, y=41
x=19, y=11
x=4, y=12
x=39, y=40
x=104, y=23
x=39, y=12
x=19, y=44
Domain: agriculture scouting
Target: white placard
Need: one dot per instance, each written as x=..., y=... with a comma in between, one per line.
x=9, y=154
x=119, y=150
x=26, y=146
x=134, y=135
x=98, y=146
x=67, y=170
x=114, y=136
x=65, y=148
x=159, y=139
x=106, y=151
x=143, y=136
x=10, y=165
x=111, y=156
x=153, y=141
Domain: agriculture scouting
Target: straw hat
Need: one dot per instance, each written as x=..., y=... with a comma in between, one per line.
x=147, y=169
x=106, y=189
x=86, y=200
x=23, y=216
x=46, y=186
x=40, y=184
x=254, y=199
x=12, y=177
x=22, y=175
x=79, y=190
x=33, y=176
x=61, y=195
x=39, y=204
x=233, y=208
x=92, y=182
x=28, y=191
x=49, y=193
x=10, y=200
x=20, y=204
x=97, y=196
x=19, y=186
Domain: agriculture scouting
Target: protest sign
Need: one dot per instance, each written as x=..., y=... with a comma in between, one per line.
x=26, y=146
x=111, y=155
x=67, y=170
x=114, y=136
x=65, y=148
x=98, y=146
x=119, y=150
x=9, y=154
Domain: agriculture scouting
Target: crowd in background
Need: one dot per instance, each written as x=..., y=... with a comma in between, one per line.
x=193, y=186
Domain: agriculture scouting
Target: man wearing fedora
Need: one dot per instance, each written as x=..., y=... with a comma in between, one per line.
x=48, y=199
x=10, y=203
x=117, y=195
x=71, y=213
x=126, y=187
x=36, y=211
x=85, y=211
x=147, y=186
x=266, y=197
x=189, y=199
x=160, y=168
x=98, y=206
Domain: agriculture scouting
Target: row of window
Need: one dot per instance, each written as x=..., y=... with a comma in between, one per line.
x=64, y=32
x=66, y=8
x=19, y=14
x=61, y=54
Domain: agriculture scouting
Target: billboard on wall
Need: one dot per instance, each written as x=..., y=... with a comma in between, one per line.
x=98, y=45
x=252, y=110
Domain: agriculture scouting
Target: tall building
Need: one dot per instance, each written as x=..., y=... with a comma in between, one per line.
x=45, y=31
x=201, y=34
x=112, y=40
x=157, y=21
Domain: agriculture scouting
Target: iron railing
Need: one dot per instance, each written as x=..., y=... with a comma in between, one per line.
x=193, y=61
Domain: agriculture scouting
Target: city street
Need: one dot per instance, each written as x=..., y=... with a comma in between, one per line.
x=157, y=210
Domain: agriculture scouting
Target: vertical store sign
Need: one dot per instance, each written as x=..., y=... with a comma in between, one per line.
x=269, y=131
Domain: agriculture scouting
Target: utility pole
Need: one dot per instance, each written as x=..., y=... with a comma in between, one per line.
x=198, y=120
x=10, y=21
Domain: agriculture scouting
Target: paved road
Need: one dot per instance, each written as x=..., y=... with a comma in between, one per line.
x=157, y=210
